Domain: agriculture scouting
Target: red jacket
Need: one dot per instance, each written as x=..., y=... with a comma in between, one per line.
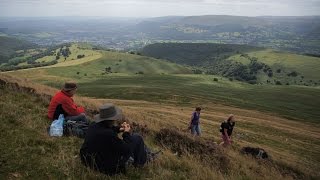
x=68, y=105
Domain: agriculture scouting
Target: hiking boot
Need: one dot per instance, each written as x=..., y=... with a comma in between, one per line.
x=130, y=161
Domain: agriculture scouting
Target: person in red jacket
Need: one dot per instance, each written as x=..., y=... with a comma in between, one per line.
x=62, y=103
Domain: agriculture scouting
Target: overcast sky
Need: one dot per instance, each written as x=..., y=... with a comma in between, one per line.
x=154, y=8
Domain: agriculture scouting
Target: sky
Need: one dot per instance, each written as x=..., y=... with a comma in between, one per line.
x=157, y=8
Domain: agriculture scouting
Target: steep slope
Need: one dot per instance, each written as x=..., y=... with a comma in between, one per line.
x=27, y=149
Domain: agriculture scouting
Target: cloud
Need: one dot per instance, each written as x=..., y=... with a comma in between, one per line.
x=157, y=7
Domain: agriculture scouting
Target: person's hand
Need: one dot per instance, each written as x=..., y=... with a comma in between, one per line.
x=122, y=126
x=125, y=127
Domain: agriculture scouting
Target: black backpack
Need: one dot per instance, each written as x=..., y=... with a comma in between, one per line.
x=255, y=152
x=75, y=128
x=221, y=127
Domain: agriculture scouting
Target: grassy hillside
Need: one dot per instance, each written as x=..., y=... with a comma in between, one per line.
x=294, y=102
x=198, y=54
x=56, y=56
x=132, y=77
x=28, y=150
x=107, y=62
x=9, y=46
x=244, y=63
x=307, y=68
x=75, y=50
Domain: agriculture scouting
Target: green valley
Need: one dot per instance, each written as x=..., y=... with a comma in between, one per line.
x=133, y=77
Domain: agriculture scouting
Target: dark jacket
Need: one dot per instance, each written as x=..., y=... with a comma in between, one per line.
x=104, y=151
x=229, y=126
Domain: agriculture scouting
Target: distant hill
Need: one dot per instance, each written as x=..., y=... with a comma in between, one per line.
x=241, y=62
x=295, y=34
x=9, y=46
x=298, y=34
x=119, y=63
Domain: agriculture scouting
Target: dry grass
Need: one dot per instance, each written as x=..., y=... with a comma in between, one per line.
x=292, y=145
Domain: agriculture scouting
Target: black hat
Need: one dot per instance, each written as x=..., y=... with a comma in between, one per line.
x=108, y=112
x=68, y=86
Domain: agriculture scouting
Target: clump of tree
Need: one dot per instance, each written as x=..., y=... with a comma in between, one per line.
x=293, y=74
x=80, y=56
x=241, y=72
x=215, y=79
x=65, y=52
x=252, y=81
x=108, y=70
x=270, y=73
x=12, y=68
x=197, y=71
x=14, y=59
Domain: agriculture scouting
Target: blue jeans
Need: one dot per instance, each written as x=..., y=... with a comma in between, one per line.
x=81, y=117
x=195, y=129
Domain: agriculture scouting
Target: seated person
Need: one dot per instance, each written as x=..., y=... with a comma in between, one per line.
x=104, y=151
x=62, y=103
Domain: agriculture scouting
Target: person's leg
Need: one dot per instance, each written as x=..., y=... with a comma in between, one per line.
x=198, y=130
x=225, y=140
x=193, y=129
x=138, y=150
x=81, y=117
x=222, y=142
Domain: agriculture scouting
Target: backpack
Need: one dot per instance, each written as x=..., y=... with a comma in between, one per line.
x=258, y=153
x=75, y=128
x=221, y=127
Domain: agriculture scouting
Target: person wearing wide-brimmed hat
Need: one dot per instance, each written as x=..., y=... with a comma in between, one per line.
x=104, y=151
x=62, y=103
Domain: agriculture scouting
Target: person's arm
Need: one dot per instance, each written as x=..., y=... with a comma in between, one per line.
x=192, y=116
x=71, y=108
x=117, y=129
x=121, y=146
